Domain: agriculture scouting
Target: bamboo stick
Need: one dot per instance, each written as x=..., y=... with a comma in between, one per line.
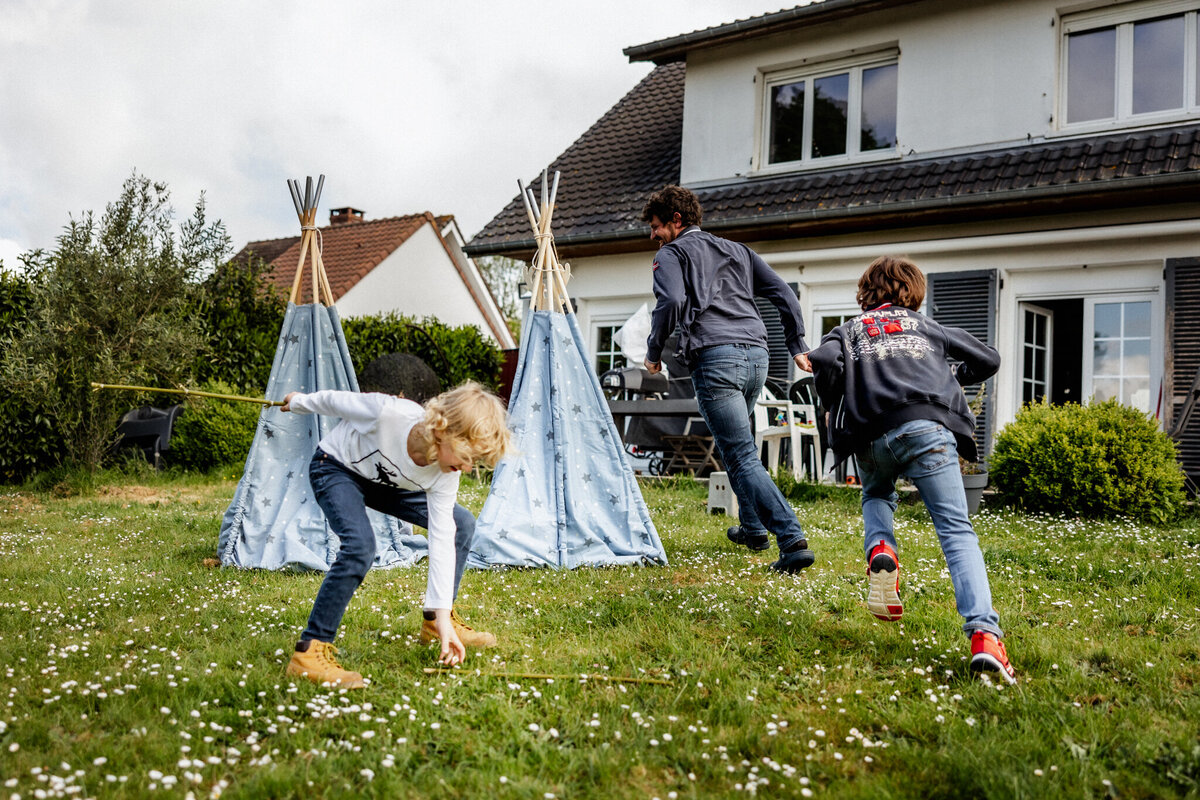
x=541, y=676
x=262, y=401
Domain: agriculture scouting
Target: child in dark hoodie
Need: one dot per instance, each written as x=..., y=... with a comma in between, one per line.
x=898, y=407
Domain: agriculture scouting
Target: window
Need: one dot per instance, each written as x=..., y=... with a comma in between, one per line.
x=1132, y=65
x=1120, y=360
x=845, y=112
x=608, y=353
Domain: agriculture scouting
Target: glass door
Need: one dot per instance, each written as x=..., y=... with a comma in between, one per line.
x=1122, y=360
x=1037, y=331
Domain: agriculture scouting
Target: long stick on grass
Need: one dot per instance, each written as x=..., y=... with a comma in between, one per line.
x=262, y=401
x=540, y=676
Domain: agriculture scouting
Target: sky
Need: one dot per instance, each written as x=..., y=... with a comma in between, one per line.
x=405, y=106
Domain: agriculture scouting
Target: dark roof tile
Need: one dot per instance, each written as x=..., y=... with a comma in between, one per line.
x=634, y=149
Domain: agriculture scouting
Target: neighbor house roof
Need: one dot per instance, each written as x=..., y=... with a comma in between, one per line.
x=349, y=251
x=675, y=48
x=634, y=149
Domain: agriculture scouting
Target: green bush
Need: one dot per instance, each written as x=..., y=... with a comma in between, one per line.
x=1102, y=460
x=455, y=354
x=27, y=422
x=213, y=433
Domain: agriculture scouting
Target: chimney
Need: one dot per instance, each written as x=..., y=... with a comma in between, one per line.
x=345, y=216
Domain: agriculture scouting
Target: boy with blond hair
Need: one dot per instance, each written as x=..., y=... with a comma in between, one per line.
x=400, y=458
x=896, y=405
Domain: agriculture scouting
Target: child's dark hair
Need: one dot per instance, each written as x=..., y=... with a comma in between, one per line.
x=670, y=200
x=891, y=279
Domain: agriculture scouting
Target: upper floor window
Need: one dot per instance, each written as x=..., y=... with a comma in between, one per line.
x=839, y=111
x=1131, y=63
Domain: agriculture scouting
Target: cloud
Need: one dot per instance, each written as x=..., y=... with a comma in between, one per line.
x=405, y=107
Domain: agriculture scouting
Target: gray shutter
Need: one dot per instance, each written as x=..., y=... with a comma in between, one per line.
x=968, y=300
x=1183, y=356
x=780, y=364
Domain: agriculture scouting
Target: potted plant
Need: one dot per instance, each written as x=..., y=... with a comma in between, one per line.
x=974, y=473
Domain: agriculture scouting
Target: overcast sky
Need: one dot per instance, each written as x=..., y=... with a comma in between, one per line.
x=405, y=106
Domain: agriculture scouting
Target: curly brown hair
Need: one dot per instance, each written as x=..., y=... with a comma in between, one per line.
x=891, y=279
x=668, y=201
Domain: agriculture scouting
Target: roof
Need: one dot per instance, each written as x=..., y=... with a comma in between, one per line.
x=675, y=48
x=608, y=172
x=634, y=150
x=349, y=251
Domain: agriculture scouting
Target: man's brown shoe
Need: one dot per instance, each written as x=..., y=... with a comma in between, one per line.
x=314, y=660
x=466, y=634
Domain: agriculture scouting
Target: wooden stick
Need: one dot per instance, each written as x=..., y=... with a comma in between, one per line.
x=539, y=676
x=188, y=393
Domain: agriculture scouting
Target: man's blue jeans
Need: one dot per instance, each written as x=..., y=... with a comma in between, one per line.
x=344, y=497
x=728, y=379
x=926, y=453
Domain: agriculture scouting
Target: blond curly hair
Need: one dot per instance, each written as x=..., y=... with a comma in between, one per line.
x=471, y=420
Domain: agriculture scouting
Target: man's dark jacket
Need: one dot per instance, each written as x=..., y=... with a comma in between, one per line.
x=707, y=285
x=888, y=366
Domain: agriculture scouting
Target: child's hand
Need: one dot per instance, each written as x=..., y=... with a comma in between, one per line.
x=287, y=401
x=453, y=651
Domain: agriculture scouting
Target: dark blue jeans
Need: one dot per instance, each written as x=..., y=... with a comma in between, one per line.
x=728, y=379
x=345, y=497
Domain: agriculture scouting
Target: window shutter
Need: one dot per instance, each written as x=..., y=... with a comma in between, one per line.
x=1183, y=356
x=968, y=300
x=780, y=364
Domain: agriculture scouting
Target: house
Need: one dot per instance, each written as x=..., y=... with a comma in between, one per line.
x=413, y=265
x=1040, y=160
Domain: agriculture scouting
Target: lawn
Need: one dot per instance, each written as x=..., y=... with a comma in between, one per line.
x=132, y=670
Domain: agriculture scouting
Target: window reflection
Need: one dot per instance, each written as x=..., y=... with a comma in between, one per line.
x=1157, y=56
x=1091, y=75
x=787, y=123
x=879, y=108
x=831, y=100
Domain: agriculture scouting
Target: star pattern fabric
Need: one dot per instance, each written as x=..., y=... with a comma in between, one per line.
x=567, y=497
x=271, y=524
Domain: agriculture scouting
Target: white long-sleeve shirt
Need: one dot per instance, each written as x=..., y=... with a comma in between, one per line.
x=372, y=441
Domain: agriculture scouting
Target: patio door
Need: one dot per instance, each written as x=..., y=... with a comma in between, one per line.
x=1122, y=359
x=1037, y=332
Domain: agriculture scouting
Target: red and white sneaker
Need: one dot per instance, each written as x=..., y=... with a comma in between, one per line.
x=883, y=583
x=988, y=655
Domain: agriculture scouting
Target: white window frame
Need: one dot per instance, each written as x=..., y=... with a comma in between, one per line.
x=597, y=325
x=809, y=73
x=1156, y=340
x=1041, y=311
x=1123, y=18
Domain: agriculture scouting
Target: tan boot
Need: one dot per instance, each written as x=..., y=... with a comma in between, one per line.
x=466, y=634
x=316, y=662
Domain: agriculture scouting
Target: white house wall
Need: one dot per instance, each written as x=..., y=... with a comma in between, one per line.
x=959, y=83
x=418, y=279
x=1094, y=260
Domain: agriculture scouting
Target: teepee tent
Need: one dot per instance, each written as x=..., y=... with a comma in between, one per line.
x=274, y=521
x=566, y=497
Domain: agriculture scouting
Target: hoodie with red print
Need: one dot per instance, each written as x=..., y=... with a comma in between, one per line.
x=888, y=366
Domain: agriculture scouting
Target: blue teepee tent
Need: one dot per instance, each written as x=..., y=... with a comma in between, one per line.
x=274, y=521
x=566, y=497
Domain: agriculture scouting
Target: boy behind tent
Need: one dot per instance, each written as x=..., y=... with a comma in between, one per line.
x=896, y=405
x=392, y=455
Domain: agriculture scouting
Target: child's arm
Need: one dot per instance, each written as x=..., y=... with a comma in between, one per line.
x=979, y=361
x=439, y=587
x=354, y=406
x=829, y=365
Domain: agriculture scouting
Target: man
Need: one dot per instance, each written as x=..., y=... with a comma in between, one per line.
x=707, y=286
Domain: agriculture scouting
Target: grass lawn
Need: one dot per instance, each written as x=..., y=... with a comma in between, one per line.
x=131, y=670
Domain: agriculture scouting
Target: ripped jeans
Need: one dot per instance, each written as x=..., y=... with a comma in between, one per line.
x=925, y=452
